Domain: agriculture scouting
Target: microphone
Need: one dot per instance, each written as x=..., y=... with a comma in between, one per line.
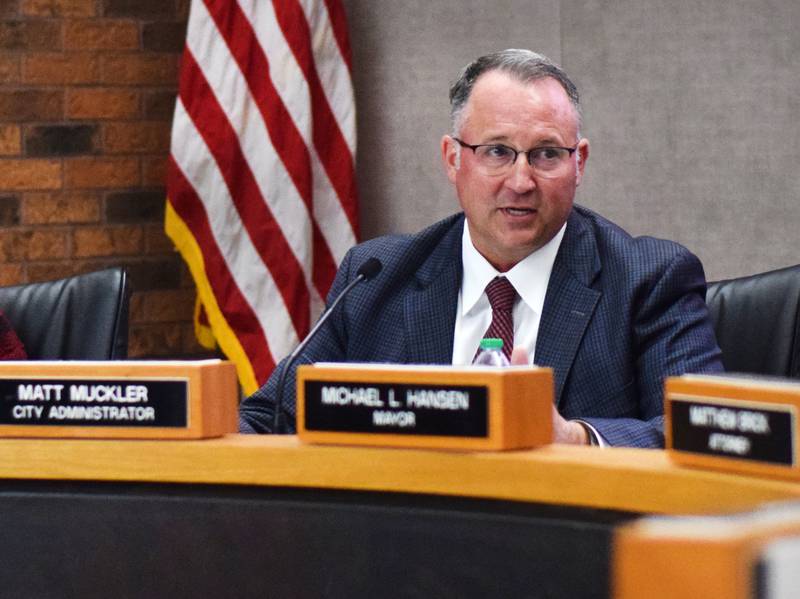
x=365, y=272
x=368, y=270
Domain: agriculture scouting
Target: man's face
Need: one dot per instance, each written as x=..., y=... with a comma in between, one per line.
x=513, y=214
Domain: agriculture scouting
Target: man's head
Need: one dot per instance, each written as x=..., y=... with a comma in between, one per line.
x=515, y=100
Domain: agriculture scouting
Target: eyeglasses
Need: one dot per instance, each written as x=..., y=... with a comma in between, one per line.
x=497, y=159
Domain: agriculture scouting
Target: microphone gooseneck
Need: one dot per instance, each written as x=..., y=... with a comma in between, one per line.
x=368, y=270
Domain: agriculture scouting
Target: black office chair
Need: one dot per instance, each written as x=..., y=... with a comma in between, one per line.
x=757, y=321
x=84, y=317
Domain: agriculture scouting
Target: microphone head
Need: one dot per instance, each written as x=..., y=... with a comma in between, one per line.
x=369, y=269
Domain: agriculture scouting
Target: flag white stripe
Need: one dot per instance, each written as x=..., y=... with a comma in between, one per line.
x=232, y=92
x=254, y=280
x=333, y=222
x=292, y=87
x=332, y=69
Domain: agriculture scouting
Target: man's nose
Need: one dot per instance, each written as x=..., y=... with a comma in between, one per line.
x=521, y=177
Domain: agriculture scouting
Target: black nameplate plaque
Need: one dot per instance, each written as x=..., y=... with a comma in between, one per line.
x=440, y=410
x=734, y=429
x=92, y=402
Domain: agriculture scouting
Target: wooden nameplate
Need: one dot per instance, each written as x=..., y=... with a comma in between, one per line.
x=713, y=557
x=736, y=423
x=122, y=400
x=425, y=406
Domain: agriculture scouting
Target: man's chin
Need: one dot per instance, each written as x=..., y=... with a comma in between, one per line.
x=522, y=246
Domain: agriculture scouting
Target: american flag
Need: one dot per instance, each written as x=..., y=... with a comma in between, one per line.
x=261, y=186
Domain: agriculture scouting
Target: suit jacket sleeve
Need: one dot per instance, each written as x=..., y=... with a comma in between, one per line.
x=672, y=335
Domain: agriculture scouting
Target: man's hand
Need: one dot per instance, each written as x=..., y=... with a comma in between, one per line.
x=564, y=431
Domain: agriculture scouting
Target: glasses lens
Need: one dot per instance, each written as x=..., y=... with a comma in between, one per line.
x=495, y=157
x=548, y=160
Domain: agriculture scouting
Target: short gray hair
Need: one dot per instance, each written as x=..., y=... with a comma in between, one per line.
x=524, y=65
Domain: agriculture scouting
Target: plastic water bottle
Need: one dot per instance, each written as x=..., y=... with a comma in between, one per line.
x=491, y=353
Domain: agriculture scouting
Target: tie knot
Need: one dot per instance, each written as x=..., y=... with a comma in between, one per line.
x=501, y=294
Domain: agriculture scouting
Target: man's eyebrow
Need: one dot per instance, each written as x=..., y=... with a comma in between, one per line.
x=497, y=139
x=546, y=142
x=504, y=141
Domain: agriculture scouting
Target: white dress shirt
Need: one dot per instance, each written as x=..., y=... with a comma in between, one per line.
x=474, y=313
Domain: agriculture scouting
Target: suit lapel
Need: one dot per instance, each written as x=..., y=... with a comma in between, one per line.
x=570, y=302
x=430, y=308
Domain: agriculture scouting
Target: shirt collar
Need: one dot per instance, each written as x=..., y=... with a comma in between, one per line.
x=529, y=276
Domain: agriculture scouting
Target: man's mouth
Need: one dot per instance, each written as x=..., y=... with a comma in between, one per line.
x=518, y=211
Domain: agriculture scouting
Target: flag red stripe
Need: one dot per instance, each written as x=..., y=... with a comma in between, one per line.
x=286, y=139
x=232, y=303
x=254, y=64
x=328, y=138
x=339, y=24
x=265, y=233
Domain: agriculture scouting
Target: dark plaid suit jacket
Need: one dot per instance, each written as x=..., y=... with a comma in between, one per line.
x=620, y=314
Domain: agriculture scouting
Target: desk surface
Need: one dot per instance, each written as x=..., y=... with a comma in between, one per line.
x=629, y=480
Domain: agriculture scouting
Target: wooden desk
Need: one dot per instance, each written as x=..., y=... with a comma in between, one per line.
x=633, y=480
x=265, y=516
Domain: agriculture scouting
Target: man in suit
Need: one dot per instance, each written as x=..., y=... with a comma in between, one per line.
x=612, y=315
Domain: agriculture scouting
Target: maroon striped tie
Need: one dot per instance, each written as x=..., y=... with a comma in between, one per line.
x=501, y=294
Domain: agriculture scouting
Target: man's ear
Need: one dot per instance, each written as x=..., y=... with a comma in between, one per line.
x=583, y=157
x=450, y=157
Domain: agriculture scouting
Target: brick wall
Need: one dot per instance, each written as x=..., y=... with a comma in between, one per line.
x=87, y=89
